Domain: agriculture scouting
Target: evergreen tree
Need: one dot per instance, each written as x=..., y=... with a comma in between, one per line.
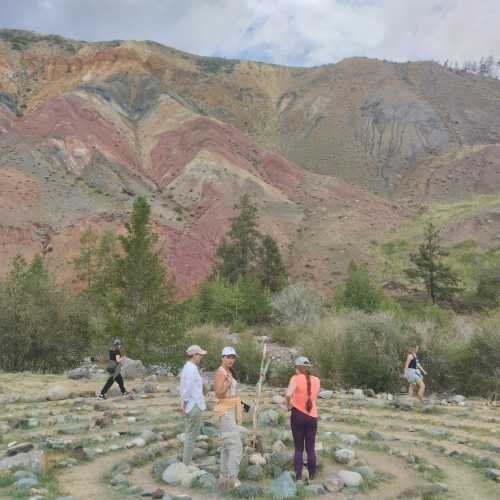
x=94, y=264
x=272, y=270
x=40, y=327
x=143, y=307
x=440, y=281
x=238, y=253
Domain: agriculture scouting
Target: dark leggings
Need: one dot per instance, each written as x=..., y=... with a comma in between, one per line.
x=304, y=431
x=109, y=383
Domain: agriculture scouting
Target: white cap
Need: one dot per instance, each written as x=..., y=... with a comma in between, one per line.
x=194, y=349
x=228, y=351
x=302, y=361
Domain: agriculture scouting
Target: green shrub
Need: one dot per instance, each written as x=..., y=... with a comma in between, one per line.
x=280, y=374
x=285, y=335
x=297, y=304
x=373, y=352
x=322, y=343
x=477, y=364
x=247, y=366
x=357, y=292
x=213, y=340
x=220, y=301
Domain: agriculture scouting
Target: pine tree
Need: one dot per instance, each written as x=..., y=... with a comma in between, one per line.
x=143, y=307
x=272, y=270
x=239, y=251
x=94, y=264
x=440, y=281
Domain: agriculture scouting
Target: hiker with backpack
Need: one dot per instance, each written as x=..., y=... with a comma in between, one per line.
x=116, y=358
x=301, y=397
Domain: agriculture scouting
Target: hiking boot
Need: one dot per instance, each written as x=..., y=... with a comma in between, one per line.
x=102, y=397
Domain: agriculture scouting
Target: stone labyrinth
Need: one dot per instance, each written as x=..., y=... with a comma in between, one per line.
x=379, y=447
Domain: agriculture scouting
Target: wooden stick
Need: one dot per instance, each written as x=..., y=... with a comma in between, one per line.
x=264, y=366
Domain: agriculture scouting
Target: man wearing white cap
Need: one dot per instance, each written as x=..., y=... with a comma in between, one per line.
x=193, y=399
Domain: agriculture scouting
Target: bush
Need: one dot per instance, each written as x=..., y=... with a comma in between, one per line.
x=247, y=365
x=358, y=293
x=297, y=304
x=285, y=335
x=280, y=374
x=322, y=343
x=220, y=301
x=213, y=340
x=42, y=328
x=373, y=352
x=477, y=364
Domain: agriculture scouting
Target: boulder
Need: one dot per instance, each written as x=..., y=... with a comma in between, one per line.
x=26, y=483
x=149, y=436
x=178, y=473
x=344, y=456
x=350, y=479
x=133, y=368
x=349, y=439
x=278, y=399
x=324, y=394
x=358, y=394
x=316, y=490
x=256, y=459
x=457, y=400
x=282, y=487
x=79, y=373
x=255, y=472
x=493, y=474
x=57, y=393
x=33, y=460
x=375, y=436
x=268, y=417
x=333, y=485
x=365, y=470
x=19, y=448
x=145, y=388
x=105, y=420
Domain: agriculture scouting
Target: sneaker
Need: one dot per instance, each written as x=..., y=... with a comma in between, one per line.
x=101, y=397
x=126, y=393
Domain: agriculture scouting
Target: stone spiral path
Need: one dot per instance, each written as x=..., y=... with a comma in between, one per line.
x=119, y=449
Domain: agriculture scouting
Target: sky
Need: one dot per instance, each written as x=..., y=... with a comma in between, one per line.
x=291, y=32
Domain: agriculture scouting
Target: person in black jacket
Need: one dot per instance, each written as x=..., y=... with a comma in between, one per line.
x=114, y=368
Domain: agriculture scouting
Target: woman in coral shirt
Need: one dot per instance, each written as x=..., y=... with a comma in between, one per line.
x=301, y=397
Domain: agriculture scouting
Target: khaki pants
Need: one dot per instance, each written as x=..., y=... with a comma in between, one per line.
x=232, y=447
x=193, y=426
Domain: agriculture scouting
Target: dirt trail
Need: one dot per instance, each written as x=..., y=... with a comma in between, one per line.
x=85, y=482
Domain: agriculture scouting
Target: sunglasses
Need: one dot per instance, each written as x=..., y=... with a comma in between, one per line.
x=230, y=356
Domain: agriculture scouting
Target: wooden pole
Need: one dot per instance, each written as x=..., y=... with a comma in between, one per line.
x=264, y=366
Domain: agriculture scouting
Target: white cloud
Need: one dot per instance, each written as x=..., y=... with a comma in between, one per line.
x=301, y=32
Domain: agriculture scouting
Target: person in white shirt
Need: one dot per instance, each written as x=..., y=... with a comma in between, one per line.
x=193, y=399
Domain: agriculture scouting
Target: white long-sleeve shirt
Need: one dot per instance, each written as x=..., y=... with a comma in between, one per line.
x=191, y=387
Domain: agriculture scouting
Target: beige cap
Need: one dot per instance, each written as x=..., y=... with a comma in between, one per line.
x=195, y=349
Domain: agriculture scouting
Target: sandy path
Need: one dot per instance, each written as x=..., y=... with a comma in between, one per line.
x=85, y=481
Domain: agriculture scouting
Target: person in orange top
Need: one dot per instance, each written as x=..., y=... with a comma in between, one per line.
x=301, y=397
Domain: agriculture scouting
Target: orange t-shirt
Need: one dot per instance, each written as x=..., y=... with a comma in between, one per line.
x=299, y=396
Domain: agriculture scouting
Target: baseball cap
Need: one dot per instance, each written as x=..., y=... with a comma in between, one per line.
x=117, y=342
x=194, y=349
x=302, y=361
x=229, y=351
